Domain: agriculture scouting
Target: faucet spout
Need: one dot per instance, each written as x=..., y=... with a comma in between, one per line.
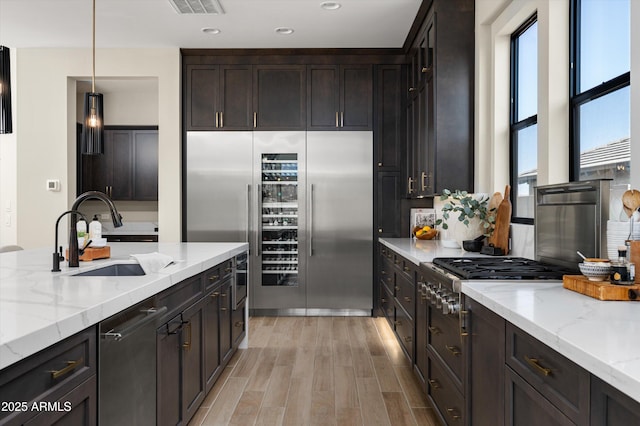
x=73, y=237
x=57, y=257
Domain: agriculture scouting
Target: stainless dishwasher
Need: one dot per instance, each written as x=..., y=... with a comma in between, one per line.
x=127, y=366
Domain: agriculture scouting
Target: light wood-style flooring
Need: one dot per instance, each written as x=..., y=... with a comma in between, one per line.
x=317, y=371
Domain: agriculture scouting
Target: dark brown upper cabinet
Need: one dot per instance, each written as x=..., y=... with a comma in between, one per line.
x=128, y=169
x=440, y=101
x=340, y=97
x=279, y=100
x=219, y=97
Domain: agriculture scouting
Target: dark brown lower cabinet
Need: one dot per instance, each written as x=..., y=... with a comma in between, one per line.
x=57, y=385
x=610, y=407
x=194, y=346
x=81, y=403
x=486, y=357
x=526, y=407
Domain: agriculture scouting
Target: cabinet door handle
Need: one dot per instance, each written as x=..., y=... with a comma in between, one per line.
x=383, y=300
x=406, y=268
x=453, y=413
x=215, y=294
x=396, y=288
x=221, y=119
x=412, y=89
x=434, y=384
x=187, y=344
x=239, y=323
x=337, y=122
x=223, y=309
x=217, y=120
x=535, y=363
x=423, y=178
x=383, y=272
x=426, y=69
x=407, y=299
x=410, y=185
x=397, y=322
x=255, y=119
x=213, y=278
x=71, y=365
x=454, y=350
x=408, y=339
x=342, y=119
x=434, y=330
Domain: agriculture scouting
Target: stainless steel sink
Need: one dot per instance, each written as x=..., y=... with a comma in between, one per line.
x=115, y=270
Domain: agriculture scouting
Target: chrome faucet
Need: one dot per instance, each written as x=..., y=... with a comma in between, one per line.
x=73, y=232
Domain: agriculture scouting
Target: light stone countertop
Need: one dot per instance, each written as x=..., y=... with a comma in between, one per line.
x=603, y=337
x=39, y=308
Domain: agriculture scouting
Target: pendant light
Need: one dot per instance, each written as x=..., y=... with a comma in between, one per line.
x=5, y=91
x=93, y=125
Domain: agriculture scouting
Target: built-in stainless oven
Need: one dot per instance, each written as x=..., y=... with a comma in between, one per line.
x=240, y=279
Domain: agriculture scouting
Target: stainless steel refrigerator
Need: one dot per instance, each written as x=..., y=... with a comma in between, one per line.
x=303, y=201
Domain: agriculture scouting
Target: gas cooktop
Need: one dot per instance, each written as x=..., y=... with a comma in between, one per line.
x=501, y=268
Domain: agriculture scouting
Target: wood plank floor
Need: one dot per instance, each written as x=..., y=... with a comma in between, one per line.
x=317, y=371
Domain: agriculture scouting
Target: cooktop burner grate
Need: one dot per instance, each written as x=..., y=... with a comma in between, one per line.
x=501, y=268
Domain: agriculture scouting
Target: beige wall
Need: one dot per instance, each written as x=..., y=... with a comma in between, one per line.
x=8, y=173
x=45, y=121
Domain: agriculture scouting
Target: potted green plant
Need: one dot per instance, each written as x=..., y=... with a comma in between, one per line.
x=465, y=215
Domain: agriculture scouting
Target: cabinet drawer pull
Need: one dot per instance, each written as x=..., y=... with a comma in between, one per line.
x=407, y=299
x=406, y=268
x=426, y=69
x=397, y=288
x=223, y=294
x=187, y=344
x=535, y=362
x=71, y=365
x=454, y=350
x=397, y=322
x=383, y=300
x=239, y=323
x=223, y=309
x=434, y=330
x=213, y=278
x=434, y=384
x=383, y=272
x=228, y=269
x=215, y=294
x=408, y=339
x=412, y=89
x=453, y=413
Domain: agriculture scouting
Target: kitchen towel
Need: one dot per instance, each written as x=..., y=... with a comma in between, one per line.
x=152, y=262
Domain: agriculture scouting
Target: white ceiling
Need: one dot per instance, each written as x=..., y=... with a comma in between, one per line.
x=246, y=24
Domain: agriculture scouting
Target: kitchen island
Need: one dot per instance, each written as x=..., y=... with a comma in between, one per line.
x=39, y=308
x=599, y=336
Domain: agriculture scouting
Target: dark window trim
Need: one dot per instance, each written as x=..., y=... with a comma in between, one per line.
x=516, y=126
x=577, y=99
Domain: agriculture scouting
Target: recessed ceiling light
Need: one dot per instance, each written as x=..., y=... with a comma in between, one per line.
x=211, y=30
x=330, y=5
x=284, y=30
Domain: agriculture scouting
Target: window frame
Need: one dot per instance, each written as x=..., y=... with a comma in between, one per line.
x=577, y=99
x=514, y=125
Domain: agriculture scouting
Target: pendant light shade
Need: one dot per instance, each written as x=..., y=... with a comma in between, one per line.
x=5, y=91
x=93, y=124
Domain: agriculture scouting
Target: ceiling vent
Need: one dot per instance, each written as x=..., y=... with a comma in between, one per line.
x=190, y=7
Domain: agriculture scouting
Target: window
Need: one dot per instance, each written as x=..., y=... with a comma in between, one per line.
x=600, y=92
x=524, y=119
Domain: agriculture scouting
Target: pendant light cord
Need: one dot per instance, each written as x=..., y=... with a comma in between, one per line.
x=93, y=50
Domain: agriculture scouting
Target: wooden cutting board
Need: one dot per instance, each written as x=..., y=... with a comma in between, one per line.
x=500, y=236
x=601, y=290
x=92, y=253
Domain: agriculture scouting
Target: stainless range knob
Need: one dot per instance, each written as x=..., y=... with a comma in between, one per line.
x=451, y=307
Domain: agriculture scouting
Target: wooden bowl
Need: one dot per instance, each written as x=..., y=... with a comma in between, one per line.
x=429, y=235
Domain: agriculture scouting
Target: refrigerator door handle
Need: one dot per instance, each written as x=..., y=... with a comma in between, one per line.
x=259, y=233
x=247, y=233
x=311, y=220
